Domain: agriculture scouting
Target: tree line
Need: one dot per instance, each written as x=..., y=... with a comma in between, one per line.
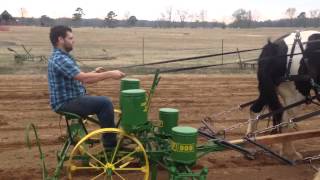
x=241, y=19
x=246, y=19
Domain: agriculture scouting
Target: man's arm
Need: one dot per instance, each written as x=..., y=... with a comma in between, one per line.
x=93, y=77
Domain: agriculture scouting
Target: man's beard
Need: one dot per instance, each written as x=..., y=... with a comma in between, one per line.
x=68, y=49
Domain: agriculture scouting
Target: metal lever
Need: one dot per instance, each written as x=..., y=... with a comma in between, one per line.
x=283, y=159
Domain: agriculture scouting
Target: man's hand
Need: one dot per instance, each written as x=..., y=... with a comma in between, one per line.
x=116, y=74
x=99, y=70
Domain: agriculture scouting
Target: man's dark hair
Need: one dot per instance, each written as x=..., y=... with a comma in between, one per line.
x=58, y=31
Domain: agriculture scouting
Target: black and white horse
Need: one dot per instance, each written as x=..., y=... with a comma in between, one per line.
x=273, y=66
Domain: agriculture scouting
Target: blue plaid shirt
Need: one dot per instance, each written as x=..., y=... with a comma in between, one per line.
x=62, y=69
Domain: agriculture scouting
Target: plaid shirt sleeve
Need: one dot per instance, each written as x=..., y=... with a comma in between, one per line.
x=67, y=67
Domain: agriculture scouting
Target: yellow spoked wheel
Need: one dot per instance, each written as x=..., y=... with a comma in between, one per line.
x=89, y=159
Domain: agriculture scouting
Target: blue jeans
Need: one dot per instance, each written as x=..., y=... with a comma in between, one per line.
x=99, y=105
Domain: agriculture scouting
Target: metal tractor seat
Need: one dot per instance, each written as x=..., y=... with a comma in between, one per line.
x=76, y=125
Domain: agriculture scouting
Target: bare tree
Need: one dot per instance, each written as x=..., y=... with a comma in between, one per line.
x=166, y=18
x=239, y=15
x=315, y=13
x=169, y=13
x=127, y=15
x=315, y=17
x=290, y=12
x=249, y=18
x=192, y=17
x=24, y=12
x=203, y=15
x=183, y=14
x=195, y=18
x=203, y=18
x=255, y=15
x=242, y=18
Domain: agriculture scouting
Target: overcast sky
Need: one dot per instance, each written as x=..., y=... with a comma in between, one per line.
x=151, y=9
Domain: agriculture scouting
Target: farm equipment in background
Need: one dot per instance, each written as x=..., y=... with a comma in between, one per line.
x=19, y=58
x=27, y=56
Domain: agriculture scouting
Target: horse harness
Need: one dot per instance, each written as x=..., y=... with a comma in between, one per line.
x=304, y=60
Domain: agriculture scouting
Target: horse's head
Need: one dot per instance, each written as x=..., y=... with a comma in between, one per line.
x=312, y=57
x=269, y=51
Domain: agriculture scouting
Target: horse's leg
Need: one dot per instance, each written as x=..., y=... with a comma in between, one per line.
x=255, y=110
x=290, y=95
x=317, y=176
x=252, y=125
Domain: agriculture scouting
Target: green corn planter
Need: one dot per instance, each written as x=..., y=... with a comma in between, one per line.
x=169, y=119
x=133, y=109
x=127, y=84
x=183, y=144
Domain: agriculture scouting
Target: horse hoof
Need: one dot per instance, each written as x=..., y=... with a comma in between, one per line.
x=295, y=156
x=317, y=176
x=250, y=156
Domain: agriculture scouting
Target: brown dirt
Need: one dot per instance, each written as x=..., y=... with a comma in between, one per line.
x=24, y=99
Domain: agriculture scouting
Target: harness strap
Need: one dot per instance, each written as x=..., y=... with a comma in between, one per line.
x=298, y=103
x=296, y=40
x=294, y=78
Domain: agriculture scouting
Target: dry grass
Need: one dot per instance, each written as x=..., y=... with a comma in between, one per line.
x=125, y=44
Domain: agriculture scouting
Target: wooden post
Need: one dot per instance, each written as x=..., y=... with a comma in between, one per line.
x=222, y=51
x=143, y=50
x=240, y=61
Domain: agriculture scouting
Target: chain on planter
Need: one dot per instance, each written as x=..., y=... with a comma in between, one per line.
x=310, y=159
x=238, y=125
x=276, y=127
x=223, y=113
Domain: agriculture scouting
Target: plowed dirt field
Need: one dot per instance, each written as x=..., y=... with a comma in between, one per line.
x=24, y=99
